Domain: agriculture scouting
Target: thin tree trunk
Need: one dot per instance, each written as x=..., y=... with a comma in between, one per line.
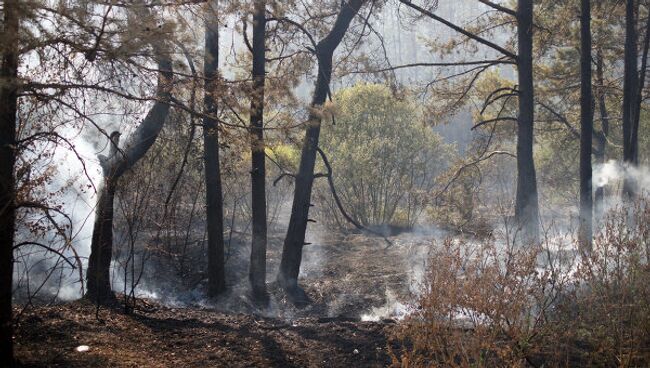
x=599, y=197
x=634, y=135
x=213, y=190
x=257, y=273
x=295, y=239
x=586, y=128
x=8, y=109
x=630, y=91
x=114, y=166
x=526, y=206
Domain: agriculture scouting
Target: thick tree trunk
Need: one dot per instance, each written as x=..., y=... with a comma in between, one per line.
x=114, y=166
x=213, y=190
x=8, y=109
x=526, y=206
x=630, y=91
x=295, y=239
x=257, y=272
x=586, y=128
x=599, y=197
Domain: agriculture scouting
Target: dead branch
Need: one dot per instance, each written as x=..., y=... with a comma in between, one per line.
x=335, y=195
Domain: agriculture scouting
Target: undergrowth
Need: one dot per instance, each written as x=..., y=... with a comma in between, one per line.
x=496, y=304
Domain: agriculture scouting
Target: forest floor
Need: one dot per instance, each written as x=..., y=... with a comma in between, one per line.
x=358, y=285
x=160, y=336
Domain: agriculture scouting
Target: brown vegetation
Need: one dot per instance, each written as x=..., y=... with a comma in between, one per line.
x=491, y=304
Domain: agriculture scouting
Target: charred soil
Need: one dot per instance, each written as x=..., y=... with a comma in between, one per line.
x=160, y=336
x=345, y=277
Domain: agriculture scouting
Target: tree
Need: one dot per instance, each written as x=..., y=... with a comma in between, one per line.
x=526, y=203
x=213, y=190
x=113, y=167
x=601, y=136
x=559, y=97
x=630, y=89
x=8, y=109
x=526, y=206
x=295, y=239
x=586, y=127
x=633, y=84
x=257, y=272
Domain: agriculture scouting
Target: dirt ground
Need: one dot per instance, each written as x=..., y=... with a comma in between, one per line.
x=347, y=277
x=167, y=337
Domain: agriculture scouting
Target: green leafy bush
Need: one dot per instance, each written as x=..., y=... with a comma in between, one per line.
x=384, y=159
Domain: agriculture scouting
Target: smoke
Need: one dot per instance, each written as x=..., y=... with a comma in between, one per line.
x=393, y=308
x=412, y=252
x=79, y=203
x=613, y=172
x=72, y=175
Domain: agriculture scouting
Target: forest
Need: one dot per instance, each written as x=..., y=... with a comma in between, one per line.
x=334, y=183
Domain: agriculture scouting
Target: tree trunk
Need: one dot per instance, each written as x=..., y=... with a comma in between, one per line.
x=213, y=190
x=599, y=197
x=98, y=287
x=295, y=239
x=8, y=109
x=114, y=166
x=630, y=90
x=526, y=206
x=634, y=134
x=257, y=272
x=586, y=128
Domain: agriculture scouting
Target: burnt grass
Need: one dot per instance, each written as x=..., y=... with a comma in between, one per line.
x=345, y=276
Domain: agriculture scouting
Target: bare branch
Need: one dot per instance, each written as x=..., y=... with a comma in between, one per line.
x=488, y=121
x=499, y=7
x=335, y=195
x=49, y=249
x=460, y=30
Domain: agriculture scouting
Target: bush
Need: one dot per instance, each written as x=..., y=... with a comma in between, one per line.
x=491, y=304
x=385, y=160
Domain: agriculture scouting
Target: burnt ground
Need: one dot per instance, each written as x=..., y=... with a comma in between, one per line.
x=346, y=277
x=167, y=337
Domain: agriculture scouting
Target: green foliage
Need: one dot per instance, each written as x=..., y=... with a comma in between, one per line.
x=385, y=160
x=285, y=156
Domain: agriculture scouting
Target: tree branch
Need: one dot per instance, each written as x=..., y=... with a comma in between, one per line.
x=499, y=7
x=335, y=195
x=50, y=249
x=461, y=30
x=488, y=121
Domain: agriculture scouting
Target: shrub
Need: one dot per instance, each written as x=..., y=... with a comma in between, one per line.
x=385, y=160
x=491, y=304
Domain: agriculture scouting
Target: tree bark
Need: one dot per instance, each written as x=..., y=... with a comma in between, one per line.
x=630, y=91
x=295, y=239
x=257, y=272
x=586, y=128
x=8, y=109
x=114, y=166
x=526, y=206
x=213, y=189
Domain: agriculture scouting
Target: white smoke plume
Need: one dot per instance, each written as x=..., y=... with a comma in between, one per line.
x=614, y=172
